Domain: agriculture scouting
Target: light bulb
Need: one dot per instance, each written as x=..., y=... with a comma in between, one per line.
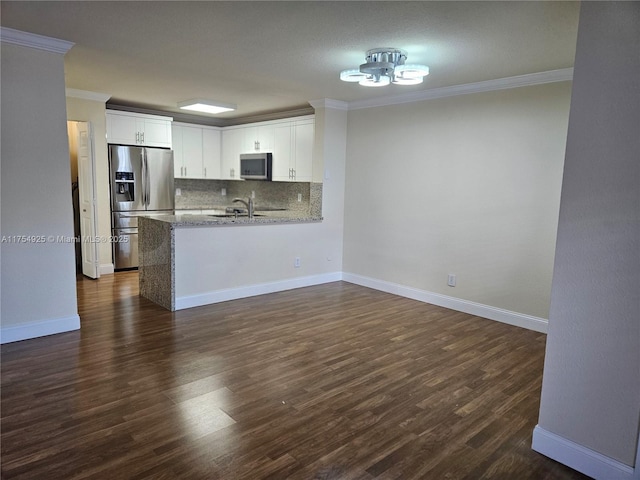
x=353, y=75
x=373, y=81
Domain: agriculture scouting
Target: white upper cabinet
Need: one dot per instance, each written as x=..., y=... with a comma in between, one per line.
x=265, y=138
x=196, y=151
x=289, y=140
x=282, y=152
x=243, y=139
x=257, y=138
x=211, y=151
x=126, y=128
x=293, y=151
x=302, y=162
x=191, y=152
x=232, y=147
x=176, y=137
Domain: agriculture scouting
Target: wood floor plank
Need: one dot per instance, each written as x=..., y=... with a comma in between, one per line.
x=334, y=381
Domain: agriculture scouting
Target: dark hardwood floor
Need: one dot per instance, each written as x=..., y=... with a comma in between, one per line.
x=329, y=382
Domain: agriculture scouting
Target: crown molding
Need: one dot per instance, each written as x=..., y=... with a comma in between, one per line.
x=86, y=95
x=329, y=103
x=31, y=40
x=551, y=76
x=208, y=120
x=265, y=117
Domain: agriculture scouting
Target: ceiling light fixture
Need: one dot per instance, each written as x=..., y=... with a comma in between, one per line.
x=206, y=106
x=384, y=66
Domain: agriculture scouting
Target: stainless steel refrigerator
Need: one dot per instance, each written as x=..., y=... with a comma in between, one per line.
x=141, y=184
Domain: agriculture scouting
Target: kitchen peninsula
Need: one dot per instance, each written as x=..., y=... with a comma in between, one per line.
x=188, y=260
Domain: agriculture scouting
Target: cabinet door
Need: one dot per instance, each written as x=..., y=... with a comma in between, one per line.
x=192, y=152
x=232, y=147
x=156, y=133
x=303, y=151
x=249, y=142
x=121, y=129
x=137, y=130
x=282, y=153
x=266, y=138
x=176, y=138
x=210, y=153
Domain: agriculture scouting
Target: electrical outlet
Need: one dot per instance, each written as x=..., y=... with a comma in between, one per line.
x=451, y=280
x=299, y=197
x=223, y=192
x=253, y=194
x=178, y=192
x=296, y=262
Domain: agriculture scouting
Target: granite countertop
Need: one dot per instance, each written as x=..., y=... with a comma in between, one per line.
x=207, y=218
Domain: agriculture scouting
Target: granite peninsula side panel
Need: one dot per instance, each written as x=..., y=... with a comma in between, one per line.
x=315, y=200
x=156, y=244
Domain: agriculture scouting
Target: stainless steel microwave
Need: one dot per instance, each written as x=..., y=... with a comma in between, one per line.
x=256, y=166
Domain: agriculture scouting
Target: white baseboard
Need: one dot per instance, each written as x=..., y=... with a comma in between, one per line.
x=39, y=329
x=505, y=316
x=492, y=313
x=106, y=269
x=579, y=458
x=253, y=290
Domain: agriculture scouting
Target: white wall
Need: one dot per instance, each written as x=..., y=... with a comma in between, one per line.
x=38, y=279
x=591, y=384
x=94, y=111
x=468, y=185
x=329, y=158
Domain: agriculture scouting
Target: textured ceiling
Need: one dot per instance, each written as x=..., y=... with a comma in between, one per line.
x=273, y=56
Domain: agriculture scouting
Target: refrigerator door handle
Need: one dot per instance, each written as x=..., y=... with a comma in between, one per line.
x=143, y=183
x=148, y=179
x=147, y=183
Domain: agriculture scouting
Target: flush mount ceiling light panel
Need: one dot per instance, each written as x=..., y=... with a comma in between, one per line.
x=384, y=66
x=206, y=106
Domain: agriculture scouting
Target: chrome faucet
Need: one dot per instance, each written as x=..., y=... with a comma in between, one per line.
x=248, y=203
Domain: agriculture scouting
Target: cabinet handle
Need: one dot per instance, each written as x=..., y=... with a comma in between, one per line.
x=205, y=172
x=137, y=137
x=142, y=135
x=232, y=173
x=185, y=171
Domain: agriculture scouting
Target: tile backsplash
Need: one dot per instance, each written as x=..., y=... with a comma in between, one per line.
x=202, y=194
